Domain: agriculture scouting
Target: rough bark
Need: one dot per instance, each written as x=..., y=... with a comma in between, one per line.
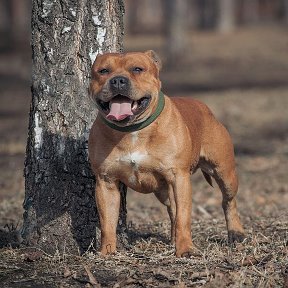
x=60, y=212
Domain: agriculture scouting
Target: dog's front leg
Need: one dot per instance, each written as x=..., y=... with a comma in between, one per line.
x=108, y=205
x=183, y=197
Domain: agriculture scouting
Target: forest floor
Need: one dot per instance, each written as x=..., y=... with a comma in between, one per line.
x=242, y=77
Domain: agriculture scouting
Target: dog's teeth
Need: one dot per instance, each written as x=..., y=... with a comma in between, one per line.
x=134, y=105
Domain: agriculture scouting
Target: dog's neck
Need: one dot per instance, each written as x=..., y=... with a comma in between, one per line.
x=143, y=124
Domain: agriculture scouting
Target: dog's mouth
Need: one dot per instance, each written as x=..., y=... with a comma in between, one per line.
x=121, y=108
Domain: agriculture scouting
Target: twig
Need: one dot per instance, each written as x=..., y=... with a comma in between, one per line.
x=23, y=280
x=92, y=279
x=256, y=273
x=250, y=261
x=204, y=212
x=202, y=274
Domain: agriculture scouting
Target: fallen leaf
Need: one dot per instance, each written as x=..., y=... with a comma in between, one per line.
x=32, y=256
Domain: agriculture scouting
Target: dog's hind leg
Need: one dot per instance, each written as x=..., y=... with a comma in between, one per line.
x=219, y=159
x=228, y=184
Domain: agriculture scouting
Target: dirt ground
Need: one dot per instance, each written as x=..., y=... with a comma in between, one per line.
x=243, y=78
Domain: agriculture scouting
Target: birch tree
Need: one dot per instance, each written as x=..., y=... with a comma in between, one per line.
x=176, y=21
x=226, y=17
x=60, y=212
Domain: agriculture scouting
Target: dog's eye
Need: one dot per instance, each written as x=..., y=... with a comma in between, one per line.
x=104, y=71
x=137, y=69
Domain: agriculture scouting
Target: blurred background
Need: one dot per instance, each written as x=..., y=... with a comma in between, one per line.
x=231, y=54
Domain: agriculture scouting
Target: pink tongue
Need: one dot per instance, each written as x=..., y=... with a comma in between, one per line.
x=120, y=109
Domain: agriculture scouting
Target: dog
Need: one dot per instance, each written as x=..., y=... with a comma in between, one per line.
x=152, y=144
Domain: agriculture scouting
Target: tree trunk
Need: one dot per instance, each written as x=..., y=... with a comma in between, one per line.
x=207, y=13
x=226, y=17
x=250, y=11
x=60, y=212
x=285, y=2
x=176, y=19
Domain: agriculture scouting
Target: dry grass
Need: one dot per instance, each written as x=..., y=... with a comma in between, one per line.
x=260, y=261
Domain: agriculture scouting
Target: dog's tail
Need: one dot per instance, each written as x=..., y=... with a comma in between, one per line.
x=207, y=178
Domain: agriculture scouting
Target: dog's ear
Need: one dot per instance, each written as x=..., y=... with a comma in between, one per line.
x=155, y=58
x=99, y=55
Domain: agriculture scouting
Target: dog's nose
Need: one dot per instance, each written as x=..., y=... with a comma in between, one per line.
x=119, y=83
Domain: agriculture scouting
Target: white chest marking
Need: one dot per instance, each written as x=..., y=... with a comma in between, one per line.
x=134, y=158
x=134, y=137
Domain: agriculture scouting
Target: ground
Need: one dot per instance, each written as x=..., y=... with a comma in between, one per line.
x=243, y=79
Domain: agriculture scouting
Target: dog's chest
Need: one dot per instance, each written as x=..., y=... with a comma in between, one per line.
x=133, y=160
x=138, y=168
x=133, y=154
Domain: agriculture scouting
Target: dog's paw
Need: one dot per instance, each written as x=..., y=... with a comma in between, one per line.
x=235, y=236
x=107, y=250
x=189, y=253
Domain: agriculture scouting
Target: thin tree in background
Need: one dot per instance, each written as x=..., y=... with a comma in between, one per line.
x=59, y=204
x=176, y=22
x=226, y=18
x=286, y=10
x=250, y=11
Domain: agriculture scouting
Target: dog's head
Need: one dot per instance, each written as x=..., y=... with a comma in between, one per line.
x=126, y=86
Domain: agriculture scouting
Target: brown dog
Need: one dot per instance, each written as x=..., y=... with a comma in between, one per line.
x=152, y=143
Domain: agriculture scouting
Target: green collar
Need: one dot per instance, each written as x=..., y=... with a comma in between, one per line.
x=140, y=125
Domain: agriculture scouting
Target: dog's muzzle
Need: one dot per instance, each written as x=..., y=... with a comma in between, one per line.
x=121, y=106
